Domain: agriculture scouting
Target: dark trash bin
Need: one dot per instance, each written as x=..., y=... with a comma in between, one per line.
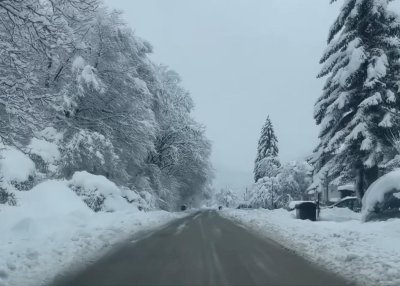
x=183, y=208
x=306, y=210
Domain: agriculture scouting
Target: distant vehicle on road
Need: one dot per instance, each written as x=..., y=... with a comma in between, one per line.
x=183, y=207
x=220, y=207
x=351, y=203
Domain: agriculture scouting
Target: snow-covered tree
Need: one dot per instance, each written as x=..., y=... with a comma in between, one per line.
x=227, y=198
x=35, y=35
x=74, y=67
x=267, y=167
x=361, y=63
x=267, y=152
x=294, y=178
x=264, y=193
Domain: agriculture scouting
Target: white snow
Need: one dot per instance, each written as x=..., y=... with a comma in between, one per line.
x=141, y=85
x=89, y=77
x=377, y=69
x=367, y=253
x=293, y=204
x=78, y=64
x=376, y=192
x=94, y=182
x=86, y=73
x=338, y=214
x=386, y=121
x=15, y=165
x=99, y=184
x=51, y=134
x=373, y=100
x=357, y=56
x=48, y=151
x=347, y=187
x=52, y=230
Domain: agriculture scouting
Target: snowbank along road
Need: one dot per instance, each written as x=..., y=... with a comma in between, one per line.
x=202, y=249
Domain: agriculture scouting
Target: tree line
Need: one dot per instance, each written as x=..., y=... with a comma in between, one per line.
x=357, y=113
x=75, y=67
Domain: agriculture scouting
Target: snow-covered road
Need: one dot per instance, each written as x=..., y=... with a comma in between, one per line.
x=368, y=253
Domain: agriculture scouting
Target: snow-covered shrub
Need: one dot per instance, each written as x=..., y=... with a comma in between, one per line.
x=382, y=199
x=7, y=197
x=16, y=168
x=44, y=150
x=99, y=193
x=143, y=200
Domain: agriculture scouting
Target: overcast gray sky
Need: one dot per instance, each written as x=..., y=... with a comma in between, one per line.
x=242, y=60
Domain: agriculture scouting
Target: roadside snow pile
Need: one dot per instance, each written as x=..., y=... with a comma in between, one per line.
x=382, y=197
x=367, y=253
x=51, y=229
x=338, y=214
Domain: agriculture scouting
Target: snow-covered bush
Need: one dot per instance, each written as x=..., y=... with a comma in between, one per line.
x=382, y=199
x=143, y=200
x=44, y=151
x=6, y=197
x=16, y=168
x=99, y=193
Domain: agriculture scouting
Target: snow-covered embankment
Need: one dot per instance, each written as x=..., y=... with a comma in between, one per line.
x=59, y=224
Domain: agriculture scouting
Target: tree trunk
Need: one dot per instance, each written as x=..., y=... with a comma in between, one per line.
x=360, y=184
x=370, y=176
x=364, y=178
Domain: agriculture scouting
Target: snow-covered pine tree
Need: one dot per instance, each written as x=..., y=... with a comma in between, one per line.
x=361, y=63
x=267, y=152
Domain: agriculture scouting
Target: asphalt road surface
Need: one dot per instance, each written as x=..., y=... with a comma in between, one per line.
x=203, y=249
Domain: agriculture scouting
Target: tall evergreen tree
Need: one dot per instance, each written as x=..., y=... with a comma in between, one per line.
x=361, y=63
x=267, y=153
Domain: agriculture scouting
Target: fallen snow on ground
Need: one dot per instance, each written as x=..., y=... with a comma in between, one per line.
x=367, y=253
x=52, y=229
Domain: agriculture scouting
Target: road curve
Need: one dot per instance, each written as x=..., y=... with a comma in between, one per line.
x=203, y=249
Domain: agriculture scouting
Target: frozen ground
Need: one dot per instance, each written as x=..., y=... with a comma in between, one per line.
x=40, y=240
x=368, y=253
